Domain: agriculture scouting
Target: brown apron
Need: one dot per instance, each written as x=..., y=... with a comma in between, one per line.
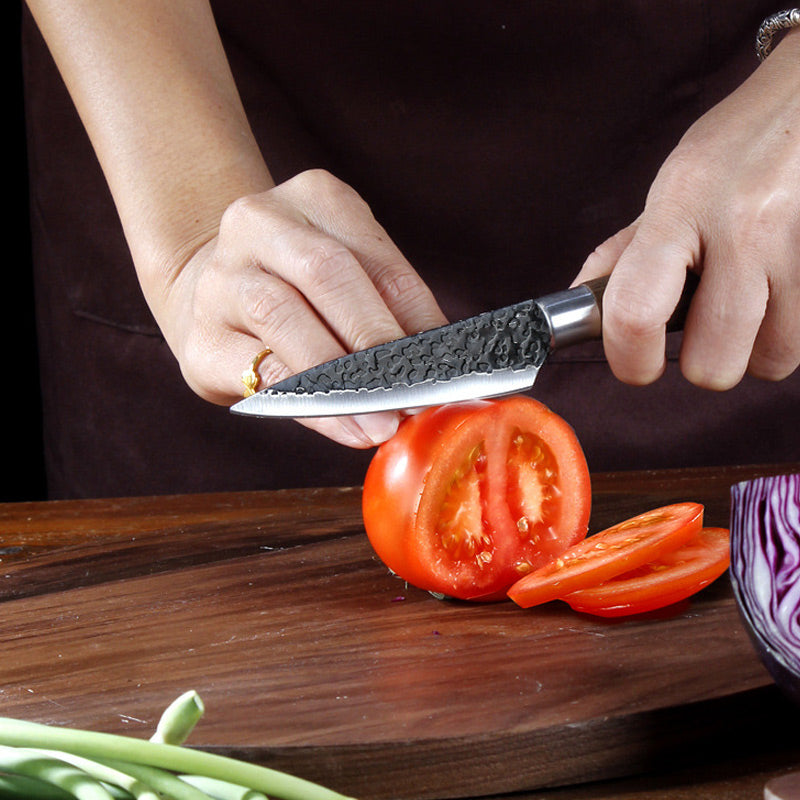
x=497, y=142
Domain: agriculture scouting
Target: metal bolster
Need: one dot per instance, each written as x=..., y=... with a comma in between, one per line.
x=573, y=316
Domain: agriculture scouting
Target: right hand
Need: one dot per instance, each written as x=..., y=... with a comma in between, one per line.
x=305, y=270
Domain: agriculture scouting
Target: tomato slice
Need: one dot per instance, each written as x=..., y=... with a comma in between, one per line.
x=602, y=556
x=668, y=579
x=467, y=497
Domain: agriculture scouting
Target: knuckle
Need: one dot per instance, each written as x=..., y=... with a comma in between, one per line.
x=632, y=314
x=398, y=285
x=238, y=214
x=330, y=191
x=273, y=370
x=321, y=182
x=264, y=302
x=325, y=265
x=259, y=213
x=371, y=329
x=198, y=371
x=607, y=253
x=757, y=219
x=681, y=174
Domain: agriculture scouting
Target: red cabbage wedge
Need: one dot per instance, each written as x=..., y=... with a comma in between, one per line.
x=765, y=571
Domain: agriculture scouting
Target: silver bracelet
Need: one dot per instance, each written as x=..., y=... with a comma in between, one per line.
x=771, y=25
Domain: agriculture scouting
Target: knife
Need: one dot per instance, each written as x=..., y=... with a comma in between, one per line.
x=492, y=354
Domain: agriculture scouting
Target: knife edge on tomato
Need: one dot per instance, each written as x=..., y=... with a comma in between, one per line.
x=602, y=556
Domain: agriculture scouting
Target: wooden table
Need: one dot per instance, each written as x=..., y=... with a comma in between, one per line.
x=310, y=657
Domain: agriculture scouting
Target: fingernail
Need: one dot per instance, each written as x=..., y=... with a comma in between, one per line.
x=378, y=427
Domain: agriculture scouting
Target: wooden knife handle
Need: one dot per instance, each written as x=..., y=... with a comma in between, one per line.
x=676, y=322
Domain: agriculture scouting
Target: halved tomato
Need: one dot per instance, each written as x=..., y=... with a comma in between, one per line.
x=672, y=577
x=467, y=497
x=602, y=556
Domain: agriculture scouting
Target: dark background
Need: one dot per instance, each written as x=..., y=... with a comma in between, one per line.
x=23, y=471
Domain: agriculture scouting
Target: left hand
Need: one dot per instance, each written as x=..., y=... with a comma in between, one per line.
x=726, y=203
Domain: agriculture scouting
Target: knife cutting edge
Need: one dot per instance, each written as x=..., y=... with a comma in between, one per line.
x=492, y=354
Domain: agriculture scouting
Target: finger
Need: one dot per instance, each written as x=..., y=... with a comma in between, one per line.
x=334, y=282
x=400, y=287
x=776, y=351
x=275, y=312
x=322, y=269
x=235, y=299
x=724, y=318
x=357, y=431
x=604, y=257
x=340, y=212
x=642, y=294
x=245, y=358
x=298, y=340
x=263, y=303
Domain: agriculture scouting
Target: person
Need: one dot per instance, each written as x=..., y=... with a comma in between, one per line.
x=298, y=180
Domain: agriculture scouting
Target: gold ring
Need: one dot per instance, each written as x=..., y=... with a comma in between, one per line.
x=251, y=378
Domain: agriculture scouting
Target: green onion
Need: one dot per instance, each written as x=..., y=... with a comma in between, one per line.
x=222, y=790
x=179, y=719
x=33, y=764
x=164, y=782
x=108, y=766
x=20, y=787
x=105, y=774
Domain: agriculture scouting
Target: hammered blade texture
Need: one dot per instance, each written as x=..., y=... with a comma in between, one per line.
x=514, y=337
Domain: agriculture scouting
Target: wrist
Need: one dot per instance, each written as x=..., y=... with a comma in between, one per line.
x=779, y=72
x=773, y=28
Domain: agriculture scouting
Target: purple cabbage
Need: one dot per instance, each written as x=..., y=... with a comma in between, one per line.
x=765, y=571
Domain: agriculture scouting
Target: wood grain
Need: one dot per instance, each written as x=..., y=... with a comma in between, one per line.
x=312, y=658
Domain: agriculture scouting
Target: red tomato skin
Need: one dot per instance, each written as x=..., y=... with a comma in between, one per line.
x=393, y=488
x=677, y=576
x=410, y=474
x=592, y=561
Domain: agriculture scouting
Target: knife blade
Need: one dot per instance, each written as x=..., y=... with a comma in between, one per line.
x=492, y=354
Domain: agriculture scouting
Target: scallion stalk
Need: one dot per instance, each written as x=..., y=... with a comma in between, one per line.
x=32, y=764
x=105, y=774
x=164, y=782
x=179, y=719
x=113, y=748
x=222, y=790
x=21, y=787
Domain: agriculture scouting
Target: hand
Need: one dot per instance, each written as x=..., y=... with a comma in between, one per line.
x=305, y=270
x=302, y=268
x=726, y=204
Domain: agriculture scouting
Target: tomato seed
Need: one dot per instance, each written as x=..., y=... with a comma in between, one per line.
x=642, y=520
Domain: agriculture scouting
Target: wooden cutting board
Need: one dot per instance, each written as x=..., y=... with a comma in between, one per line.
x=311, y=657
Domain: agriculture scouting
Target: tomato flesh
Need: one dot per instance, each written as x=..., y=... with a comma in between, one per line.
x=534, y=498
x=466, y=498
x=668, y=579
x=603, y=556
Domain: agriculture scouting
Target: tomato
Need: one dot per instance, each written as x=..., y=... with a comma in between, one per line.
x=602, y=556
x=672, y=577
x=467, y=497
